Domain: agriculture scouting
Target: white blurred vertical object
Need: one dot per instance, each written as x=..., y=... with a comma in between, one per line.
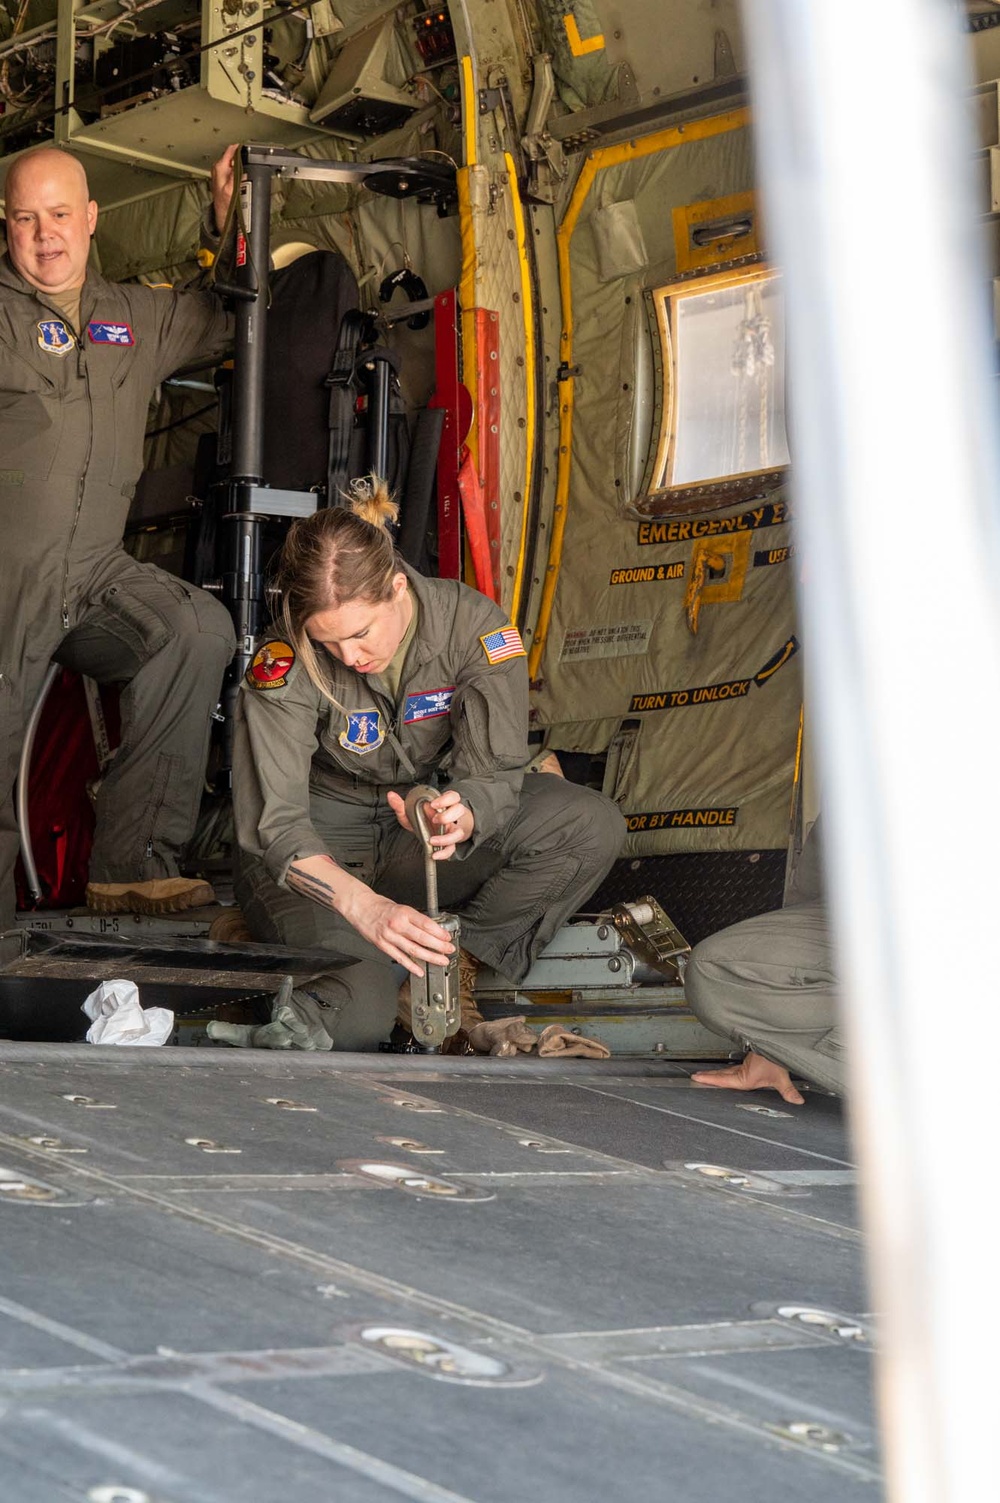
x=866, y=163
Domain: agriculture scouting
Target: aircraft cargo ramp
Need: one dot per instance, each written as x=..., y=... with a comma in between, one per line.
x=243, y=1277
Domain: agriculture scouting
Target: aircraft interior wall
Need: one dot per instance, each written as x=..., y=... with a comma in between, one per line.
x=672, y=643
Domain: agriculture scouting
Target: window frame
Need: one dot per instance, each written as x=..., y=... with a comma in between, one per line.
x=667, y=499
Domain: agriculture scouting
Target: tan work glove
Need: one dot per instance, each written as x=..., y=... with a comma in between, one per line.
x=556, y=1040
x=503, y=1038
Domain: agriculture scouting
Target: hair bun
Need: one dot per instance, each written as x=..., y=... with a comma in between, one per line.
x=369, y=499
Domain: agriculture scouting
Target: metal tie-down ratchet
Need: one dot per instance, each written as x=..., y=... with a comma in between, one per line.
x=434, y=996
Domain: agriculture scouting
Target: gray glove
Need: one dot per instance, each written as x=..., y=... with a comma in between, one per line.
x=296, y=1023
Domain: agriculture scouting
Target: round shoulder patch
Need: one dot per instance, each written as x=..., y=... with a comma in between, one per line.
x=271, y=665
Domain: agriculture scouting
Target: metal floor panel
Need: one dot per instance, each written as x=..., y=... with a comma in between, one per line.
x=648, y=1126
x=828, y=1388
x=187, y=1325
x=643, y=1253
x=388, y=1440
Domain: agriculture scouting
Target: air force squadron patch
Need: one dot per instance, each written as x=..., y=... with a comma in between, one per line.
x=54, y=337
x=102, y=333
x=365, y=731
x=271, y=666
x=427, y=706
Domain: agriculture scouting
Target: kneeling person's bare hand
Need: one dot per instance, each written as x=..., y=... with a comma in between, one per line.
x=453, y=820
x=403, y=933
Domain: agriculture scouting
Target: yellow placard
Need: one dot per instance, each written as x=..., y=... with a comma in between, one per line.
x=708, y=555
x=735, y=208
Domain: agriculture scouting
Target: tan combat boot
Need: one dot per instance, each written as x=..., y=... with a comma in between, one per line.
x=230, y=928
x=161, y=895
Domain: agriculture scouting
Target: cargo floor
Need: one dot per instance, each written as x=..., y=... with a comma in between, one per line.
x=252, y=1278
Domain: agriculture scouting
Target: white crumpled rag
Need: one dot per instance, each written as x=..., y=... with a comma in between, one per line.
x=118, y=1018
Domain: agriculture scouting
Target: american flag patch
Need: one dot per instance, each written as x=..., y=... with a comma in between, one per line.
x=503, y=644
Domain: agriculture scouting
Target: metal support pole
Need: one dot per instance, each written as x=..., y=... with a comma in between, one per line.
x=867, y=175
x=67, y=121
x=253, y=249
x=242, y=584
x=379, y=363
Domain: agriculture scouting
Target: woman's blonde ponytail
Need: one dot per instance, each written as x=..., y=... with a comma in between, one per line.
x=369, y=499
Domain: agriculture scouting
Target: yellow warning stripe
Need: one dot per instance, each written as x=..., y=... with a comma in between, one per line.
x=577, y=45
x=597, y=161
x=470, y=112
x=797, y=771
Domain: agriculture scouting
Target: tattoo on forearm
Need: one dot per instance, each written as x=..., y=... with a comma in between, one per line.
x=310, y=886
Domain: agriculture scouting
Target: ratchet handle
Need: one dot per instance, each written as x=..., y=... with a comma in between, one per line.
x=417, y=813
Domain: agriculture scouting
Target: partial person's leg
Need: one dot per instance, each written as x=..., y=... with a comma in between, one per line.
x=769, y=984
x=30, y=631
x=169, y=643
x=512, y=893
x=358, y=1002
x=556, y=850
x=515, y=890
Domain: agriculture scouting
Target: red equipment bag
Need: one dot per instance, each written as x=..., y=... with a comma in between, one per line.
x=64, y=764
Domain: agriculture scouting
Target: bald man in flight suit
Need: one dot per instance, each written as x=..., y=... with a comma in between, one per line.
x=80, y=358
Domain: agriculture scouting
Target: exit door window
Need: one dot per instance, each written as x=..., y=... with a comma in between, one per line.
x=722, y=412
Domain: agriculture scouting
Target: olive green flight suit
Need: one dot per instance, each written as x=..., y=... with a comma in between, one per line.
x=770, y=983
x=73, y=407
x=311, y=779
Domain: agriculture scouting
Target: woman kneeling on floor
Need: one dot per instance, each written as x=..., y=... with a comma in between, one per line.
x=377, y=680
